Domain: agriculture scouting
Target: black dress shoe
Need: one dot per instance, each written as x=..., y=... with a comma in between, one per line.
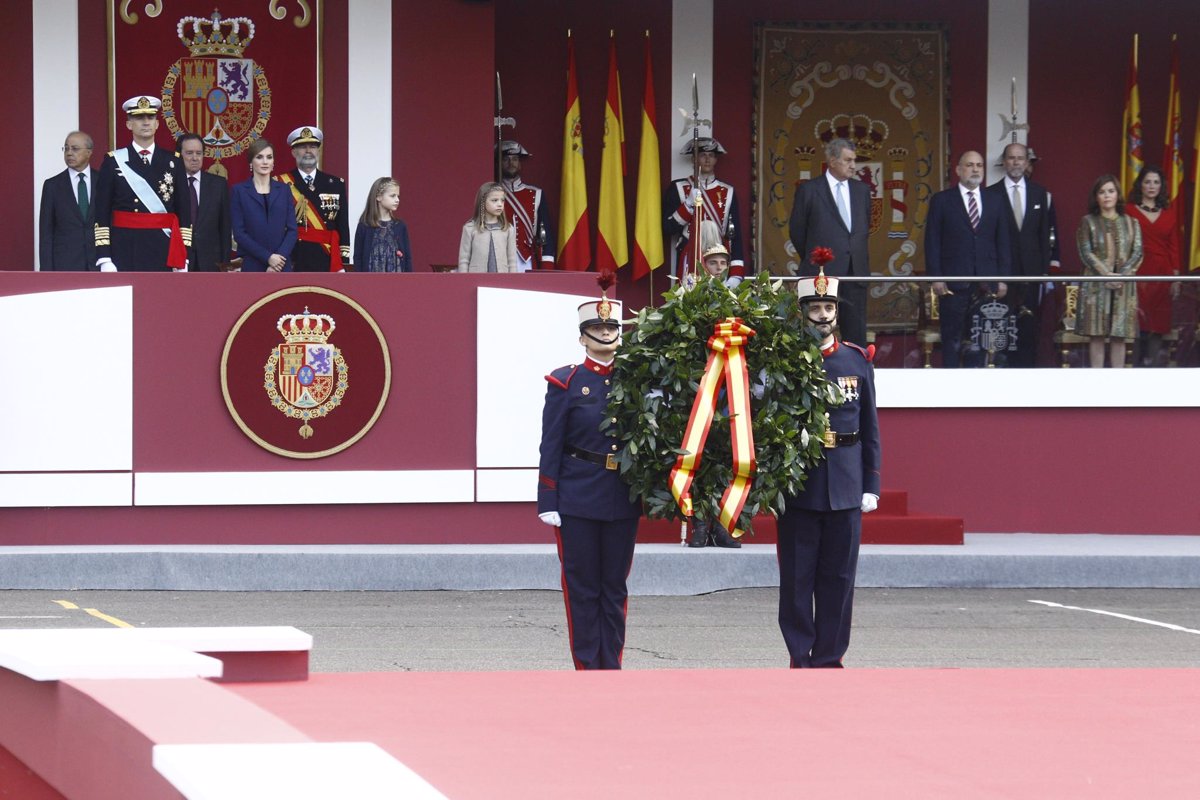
x=699, y=535
x=722, y=538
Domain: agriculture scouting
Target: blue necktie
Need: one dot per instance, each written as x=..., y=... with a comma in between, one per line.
x=843, y=209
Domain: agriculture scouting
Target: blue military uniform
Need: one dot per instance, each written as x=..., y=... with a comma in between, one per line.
x=820, y=530
x=578, y=479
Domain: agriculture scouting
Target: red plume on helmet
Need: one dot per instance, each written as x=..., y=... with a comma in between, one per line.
x=606, y=279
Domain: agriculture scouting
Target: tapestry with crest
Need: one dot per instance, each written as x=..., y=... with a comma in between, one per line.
x=883, y=86
x=232, y=74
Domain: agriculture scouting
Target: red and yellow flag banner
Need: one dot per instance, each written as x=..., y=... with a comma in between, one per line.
x=574, y=248
x=647, y=223
x=1131, y=126
x=726, y=367
x=1194, y=254
x=612, y=239
x=1173, y=152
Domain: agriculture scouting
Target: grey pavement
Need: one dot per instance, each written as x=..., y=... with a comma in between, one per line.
x=519, y=630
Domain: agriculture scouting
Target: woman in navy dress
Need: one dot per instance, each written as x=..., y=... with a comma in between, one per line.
x=263, y=215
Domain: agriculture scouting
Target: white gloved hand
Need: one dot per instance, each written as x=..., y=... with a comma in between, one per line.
x=733, y=281
x=108, y=266
x=551, y=518
x=870, y=502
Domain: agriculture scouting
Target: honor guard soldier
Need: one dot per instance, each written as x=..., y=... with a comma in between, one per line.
x=322, y=215
x=143, y=220
x=719, y=202
x=821, y=527
x=581, y=493
x=525, y=207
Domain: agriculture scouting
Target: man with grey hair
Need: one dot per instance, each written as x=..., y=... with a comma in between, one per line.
x=834, y=211
x=65, y=237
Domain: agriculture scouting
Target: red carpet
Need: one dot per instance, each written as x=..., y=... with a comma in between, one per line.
x=768, y=733
x=891, y=523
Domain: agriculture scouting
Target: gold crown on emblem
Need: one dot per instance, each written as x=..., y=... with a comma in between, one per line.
x=866, y=133
x=306, y=327
x=214, y=36
x=993, y=310
x=898, y=153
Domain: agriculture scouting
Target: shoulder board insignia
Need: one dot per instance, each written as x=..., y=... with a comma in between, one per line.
x=868, y=354
x=561, y=377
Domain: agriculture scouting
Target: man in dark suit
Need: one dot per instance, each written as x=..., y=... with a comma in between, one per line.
x=65, y=237
x=208, y=197
x=966, y=235
x=821, y=527
x=1029, y=222
x=835, y=212
x=322, y=213
x=142, y=212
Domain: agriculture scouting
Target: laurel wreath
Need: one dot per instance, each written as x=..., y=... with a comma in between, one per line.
x=656, y=377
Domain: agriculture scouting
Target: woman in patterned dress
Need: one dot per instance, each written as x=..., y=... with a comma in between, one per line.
x=1110, y=243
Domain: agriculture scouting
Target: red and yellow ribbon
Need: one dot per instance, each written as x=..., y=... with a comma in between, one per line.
x=726, y=367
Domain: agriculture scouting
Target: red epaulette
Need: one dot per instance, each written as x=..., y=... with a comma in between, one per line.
x=868, y=354
x=565, y=382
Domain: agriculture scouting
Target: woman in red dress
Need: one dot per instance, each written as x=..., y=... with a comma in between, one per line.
x=1150, y=206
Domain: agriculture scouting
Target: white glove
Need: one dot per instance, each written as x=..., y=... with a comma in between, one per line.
x=870, y=502
x=108, y=266
x=733, y=281
x=551, y=518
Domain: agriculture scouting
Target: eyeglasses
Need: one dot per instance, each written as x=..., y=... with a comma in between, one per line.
x=74, y=149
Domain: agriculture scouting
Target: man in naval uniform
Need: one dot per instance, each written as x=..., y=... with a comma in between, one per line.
x=820, y=529
x=581, y=493
x=322, y=214
x=525, y=207
x=720, y=205
x=143, y=220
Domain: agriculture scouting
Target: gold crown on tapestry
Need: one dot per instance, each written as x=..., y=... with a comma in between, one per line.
x=867, y=134
x=306, y=327
x=215, y=36
x=993, y=310
x=805, y=150
x=898, y=153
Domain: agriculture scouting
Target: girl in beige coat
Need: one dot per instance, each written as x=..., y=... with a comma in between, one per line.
x=489, y=243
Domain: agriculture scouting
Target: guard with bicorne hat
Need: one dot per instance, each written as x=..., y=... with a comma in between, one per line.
x=525, y=208
x=581, y=493
x=821, y=527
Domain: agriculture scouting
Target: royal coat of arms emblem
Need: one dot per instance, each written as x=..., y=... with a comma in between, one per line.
x=306, y=377
x=217, y=92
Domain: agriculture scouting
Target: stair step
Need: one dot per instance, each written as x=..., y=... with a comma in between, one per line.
x=878, y=528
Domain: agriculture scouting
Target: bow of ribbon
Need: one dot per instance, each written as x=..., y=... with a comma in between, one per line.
x=726, y=367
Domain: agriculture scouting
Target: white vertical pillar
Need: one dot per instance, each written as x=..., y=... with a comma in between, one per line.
x=691, y=52
x=55, y=91
x=1008, y=58
x=370, y=99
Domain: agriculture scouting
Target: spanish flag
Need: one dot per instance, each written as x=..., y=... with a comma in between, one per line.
x=1131, y=126
x=1173, y=152
x=647, y=224
x=612, y=240
x=574, y=249
x=1194, y=259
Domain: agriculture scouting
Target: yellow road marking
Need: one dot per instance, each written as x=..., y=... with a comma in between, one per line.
x=67, y=604
x=120, y=623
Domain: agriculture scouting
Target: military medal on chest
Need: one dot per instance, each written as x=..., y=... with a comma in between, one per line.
x=849, y=386
x=306, y=377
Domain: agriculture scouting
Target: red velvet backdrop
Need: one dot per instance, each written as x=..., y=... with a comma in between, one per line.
x=16, y=131
x=442, y=108
x=1075, y=113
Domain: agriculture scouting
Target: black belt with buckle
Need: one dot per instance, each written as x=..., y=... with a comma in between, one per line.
x=606, y=460
x=834, y=439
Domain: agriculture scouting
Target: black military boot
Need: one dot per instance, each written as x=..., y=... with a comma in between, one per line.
x=721, y=537
x=699, y=535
